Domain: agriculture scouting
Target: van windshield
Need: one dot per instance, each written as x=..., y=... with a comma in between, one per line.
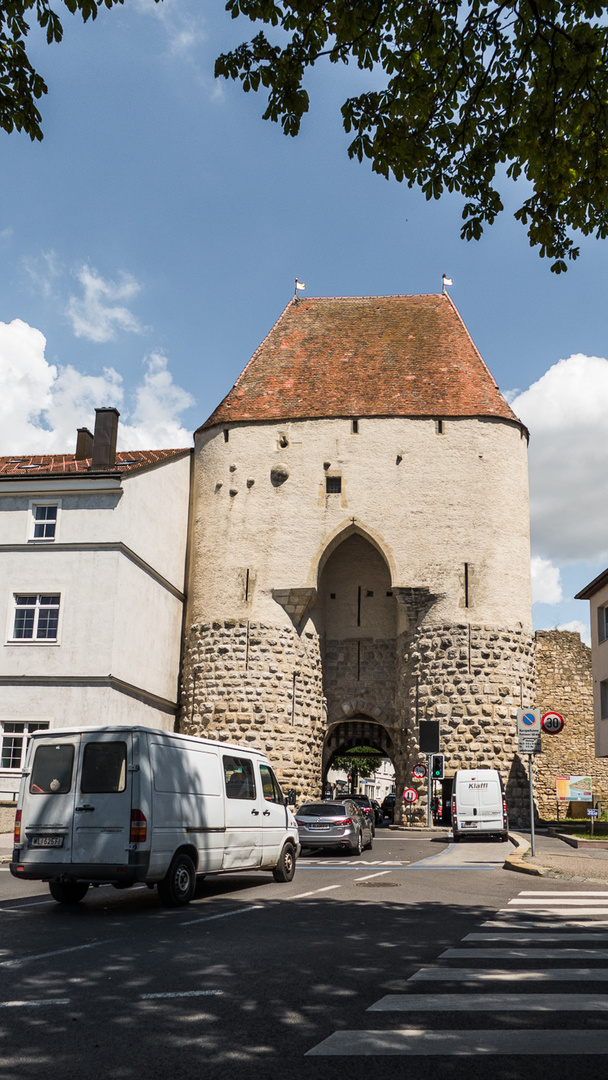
x=52, y=770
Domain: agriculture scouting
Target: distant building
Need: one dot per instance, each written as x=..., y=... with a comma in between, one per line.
x=596, y=592
x=92, y=563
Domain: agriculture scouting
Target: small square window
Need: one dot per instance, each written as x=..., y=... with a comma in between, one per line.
x=333, y=485
x=44, y=521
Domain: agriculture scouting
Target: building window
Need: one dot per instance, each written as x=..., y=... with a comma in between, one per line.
x=439, y=427
x=355, y=427
x=602, y=623
x=44, y=521
x=333, y=485
x=36, y=617
x=604, y=698
x=14, y=735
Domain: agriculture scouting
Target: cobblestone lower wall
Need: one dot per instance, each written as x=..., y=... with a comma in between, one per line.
x=471, y=679
x=565, y=685
x=254, y=683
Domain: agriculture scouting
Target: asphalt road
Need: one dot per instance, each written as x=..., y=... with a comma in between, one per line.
x=418, y=959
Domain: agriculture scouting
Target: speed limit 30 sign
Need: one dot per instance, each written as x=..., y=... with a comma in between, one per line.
x=552, y=723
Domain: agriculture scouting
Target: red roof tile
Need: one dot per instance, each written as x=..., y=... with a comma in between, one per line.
x=24, y=465
x=364, y=356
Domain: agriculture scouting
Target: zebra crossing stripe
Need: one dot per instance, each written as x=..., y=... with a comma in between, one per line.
x=544, y=901
x=564, y=911
x=461, y=1043
x=524, y=954
x=545, y=924
x=539, y=937
x=473, y=975
x=444, y=1003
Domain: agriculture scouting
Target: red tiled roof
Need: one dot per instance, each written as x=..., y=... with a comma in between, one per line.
x=364, y=356
x=24, y=465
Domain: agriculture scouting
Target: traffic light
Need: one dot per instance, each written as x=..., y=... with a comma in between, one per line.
x=437, y=766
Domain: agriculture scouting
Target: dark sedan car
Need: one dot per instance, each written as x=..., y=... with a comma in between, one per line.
x=388, y=807
x=334, y=825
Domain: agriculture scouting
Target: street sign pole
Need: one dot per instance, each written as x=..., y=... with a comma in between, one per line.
x=530, y=760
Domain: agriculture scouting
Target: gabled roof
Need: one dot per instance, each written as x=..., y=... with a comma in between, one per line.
x=364, y=356
x=37, y=465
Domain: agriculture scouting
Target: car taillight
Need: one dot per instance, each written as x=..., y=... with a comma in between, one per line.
x=454, y=810
x=299, y=822
x=17, y=835
x=139, y=827
x=344, y=821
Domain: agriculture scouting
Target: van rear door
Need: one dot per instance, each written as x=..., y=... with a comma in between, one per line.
x=102, y=808
x=47, y=809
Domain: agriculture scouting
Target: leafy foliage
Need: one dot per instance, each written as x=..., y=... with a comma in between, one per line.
x=467, y=90
x=361, y=761
x=20, y=85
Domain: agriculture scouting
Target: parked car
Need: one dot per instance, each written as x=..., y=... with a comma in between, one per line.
x=365, y=805
x=377, y=811
x=388, y=807
x=334, y=825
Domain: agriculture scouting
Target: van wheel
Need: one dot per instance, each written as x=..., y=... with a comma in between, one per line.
x=286, y=866
x=178, y=885
x=68, y=892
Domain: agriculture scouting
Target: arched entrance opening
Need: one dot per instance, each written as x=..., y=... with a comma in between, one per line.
x=361, y=732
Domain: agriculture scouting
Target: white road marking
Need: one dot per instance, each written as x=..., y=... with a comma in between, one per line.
x=443, y=1003
x=473, y=975
x=417, y=1041
x=524, y=953
x=570, y=892
x=556, y=911
x=314, y=892
x=372, y=877
x=45, y=956
x=34, y=1004
x=181, y=994
x=546, y=924
x=22, y=907
x=539, y=938
x=580, y=900
x=223, y=914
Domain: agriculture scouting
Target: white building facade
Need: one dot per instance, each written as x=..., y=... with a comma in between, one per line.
x=92, y=564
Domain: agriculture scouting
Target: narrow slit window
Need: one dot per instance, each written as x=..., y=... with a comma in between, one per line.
x=439, y=427
x=355, y=427
x=333, y=485
x=466, y=584
x=226, y=435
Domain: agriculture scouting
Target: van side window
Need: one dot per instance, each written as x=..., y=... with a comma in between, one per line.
x=52, y=770
x=270, y=787
x=104, y=767
x=238, y=774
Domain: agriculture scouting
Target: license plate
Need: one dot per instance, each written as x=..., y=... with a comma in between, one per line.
x=45, y=841
x=326, y=827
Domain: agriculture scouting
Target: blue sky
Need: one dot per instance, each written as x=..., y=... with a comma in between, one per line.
x=149, y=243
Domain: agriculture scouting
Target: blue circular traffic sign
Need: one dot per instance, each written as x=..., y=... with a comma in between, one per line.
x=529, y=719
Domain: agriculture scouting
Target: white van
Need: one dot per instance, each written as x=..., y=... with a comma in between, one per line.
x=120, y=805
x=479, y=804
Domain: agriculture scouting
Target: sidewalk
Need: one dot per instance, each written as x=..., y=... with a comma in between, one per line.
x=555, y=859
x=6, y=846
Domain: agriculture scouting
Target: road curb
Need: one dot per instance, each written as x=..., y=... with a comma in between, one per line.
x=516, y=859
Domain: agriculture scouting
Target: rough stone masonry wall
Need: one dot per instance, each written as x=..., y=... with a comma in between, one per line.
x=565, y=685
x=253, y=683
x=471, y=679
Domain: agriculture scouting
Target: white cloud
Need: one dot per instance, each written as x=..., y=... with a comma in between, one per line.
x=579, y=628
x=42, y=405
x=96, y=316
x=185, y=29
x=567, y=414
x=546, y=586
x=43, y=269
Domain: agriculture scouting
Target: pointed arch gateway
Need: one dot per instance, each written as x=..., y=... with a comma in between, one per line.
x=359, y=731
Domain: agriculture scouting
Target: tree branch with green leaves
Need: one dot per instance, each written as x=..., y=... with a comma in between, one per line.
x=467, y=96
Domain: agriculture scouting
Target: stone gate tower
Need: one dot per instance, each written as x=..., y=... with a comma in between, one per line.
x=360, y=551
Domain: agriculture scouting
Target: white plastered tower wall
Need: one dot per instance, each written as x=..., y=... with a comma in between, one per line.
x=317, y=620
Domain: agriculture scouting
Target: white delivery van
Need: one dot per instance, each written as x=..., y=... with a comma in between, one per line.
x=479, y=805
x=120, y=805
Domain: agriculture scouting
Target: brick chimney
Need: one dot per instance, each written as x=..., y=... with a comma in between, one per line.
x=84, y=444
x=104, y=439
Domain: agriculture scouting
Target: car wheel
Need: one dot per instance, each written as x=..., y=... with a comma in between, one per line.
x=357, y=847
x=370, y=844
x=286, y=866
x=178, y=885
x=68, y=892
